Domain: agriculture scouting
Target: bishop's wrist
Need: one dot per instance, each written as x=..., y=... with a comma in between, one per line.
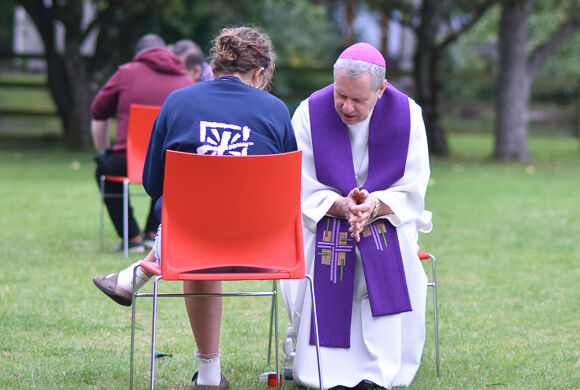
x=375, y=211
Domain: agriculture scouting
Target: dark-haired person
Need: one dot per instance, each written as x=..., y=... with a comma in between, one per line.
x=194, y=63
x=151, y=75
x=185, y=48
x=212, y=118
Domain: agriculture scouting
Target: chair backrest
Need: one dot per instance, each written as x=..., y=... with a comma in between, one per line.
x=141, y=120
x=230, y=211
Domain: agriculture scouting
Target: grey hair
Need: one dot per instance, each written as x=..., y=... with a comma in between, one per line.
x=355, y=68
x=149, y=41
x=183, y=46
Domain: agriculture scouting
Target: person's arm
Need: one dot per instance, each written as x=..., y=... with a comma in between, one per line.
x=100, y=133
x=104, y=107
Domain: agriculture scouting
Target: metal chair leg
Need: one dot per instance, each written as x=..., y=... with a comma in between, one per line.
x=126, y=217
x=434, y=285
x=102, y=186
x=153, y=332
x=277, y=346
x=133, y=311
x=315, y=329
x=271, y=323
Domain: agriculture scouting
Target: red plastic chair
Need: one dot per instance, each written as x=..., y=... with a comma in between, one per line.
x=141, y=119
x=433, y=284
x=229, y=218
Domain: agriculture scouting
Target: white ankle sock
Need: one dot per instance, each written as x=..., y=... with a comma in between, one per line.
x=125, y=277
x=209, y=371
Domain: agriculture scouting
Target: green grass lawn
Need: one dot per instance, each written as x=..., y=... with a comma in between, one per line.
x=506, y=237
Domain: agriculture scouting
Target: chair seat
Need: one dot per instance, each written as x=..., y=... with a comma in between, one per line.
x=230, y=274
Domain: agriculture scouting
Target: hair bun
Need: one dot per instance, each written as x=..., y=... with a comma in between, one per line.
x=229, y=47
x=239, y=50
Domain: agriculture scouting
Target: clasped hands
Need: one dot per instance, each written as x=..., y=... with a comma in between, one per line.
x=357, y=208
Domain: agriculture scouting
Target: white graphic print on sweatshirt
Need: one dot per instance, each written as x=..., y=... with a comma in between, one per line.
x=220, y=139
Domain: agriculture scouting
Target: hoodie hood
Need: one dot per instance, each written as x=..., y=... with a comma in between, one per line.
x=161, y=60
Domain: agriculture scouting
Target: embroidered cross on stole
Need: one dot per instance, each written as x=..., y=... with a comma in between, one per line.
x=335, y=254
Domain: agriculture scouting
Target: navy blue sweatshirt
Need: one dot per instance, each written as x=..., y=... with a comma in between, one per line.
x=218, y=117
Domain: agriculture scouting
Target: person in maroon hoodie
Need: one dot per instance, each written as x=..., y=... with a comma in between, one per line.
x=148, y=79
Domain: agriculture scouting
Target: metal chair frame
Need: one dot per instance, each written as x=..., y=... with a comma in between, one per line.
x=433, y=284
x=182, y=170
x=273, y=315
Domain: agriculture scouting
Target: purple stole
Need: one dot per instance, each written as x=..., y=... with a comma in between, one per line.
x=335, y=254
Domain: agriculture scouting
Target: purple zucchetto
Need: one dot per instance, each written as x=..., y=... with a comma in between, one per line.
x=363, y=51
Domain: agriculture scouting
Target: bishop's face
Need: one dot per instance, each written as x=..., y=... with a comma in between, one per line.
x=354, y=98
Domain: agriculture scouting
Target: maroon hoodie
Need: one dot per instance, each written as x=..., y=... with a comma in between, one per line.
x=147, y=79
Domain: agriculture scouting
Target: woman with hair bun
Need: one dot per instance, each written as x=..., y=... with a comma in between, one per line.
x=229, y=115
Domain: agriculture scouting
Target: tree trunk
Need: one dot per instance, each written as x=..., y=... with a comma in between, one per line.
x=70, y=90
x=514, y=84
x=427, y=78
x=78, y=118
x=428, y=84
x=69, y=87
x=67, y=78
x=77, y=121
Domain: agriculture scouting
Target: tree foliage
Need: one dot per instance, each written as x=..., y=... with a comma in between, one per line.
x=309, y=36
x=201, y=20
x=437, y=25
x=300, y=30
x=304, y=32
